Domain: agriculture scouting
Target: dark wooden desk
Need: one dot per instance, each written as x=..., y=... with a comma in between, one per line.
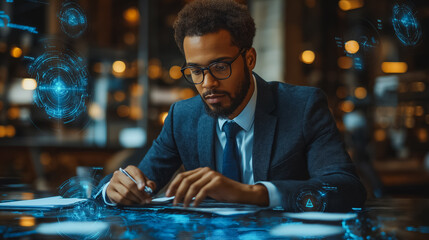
x=380, y=219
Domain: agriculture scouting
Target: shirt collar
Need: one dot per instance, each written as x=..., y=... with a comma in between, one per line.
x=247, y=116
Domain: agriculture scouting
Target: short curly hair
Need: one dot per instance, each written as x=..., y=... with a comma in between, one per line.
x=201, y=17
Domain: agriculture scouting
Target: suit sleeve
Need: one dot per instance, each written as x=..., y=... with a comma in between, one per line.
x=328, y=163
x=162, y=159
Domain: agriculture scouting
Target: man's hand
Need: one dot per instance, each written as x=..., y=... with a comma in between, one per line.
x=204, y=182
x=123, y=190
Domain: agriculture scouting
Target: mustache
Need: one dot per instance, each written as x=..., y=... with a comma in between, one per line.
x=210, y=92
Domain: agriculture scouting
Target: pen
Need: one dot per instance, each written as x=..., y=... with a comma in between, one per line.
x=147, y=189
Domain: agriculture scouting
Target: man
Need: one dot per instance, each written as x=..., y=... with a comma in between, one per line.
x=243, y=140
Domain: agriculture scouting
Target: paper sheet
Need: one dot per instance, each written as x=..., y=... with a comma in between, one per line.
x=49, y=202
x=162, y=200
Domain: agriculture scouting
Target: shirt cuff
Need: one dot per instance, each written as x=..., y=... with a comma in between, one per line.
x=105, y=197
x=273, y=194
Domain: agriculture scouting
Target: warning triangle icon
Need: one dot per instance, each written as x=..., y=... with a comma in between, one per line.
x=309, y=204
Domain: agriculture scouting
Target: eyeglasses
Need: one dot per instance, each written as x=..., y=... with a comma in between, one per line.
x=219, y=70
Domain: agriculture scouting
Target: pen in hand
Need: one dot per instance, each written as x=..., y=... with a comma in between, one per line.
x=147, y=189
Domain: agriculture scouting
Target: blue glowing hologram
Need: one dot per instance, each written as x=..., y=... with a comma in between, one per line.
x=87, y=211
x=62, y=81
x=78, y=187
x=72, y=19
x=406, y=25
x=339, y=41
x=379, y=24
x=420, y=229
x=366, y=227
x=5, y=22
x=357, y=63
x=366, y=34
x=368, y=43
x=309, y=204
x=329, y=188
x=311, y=199
x=28, y=58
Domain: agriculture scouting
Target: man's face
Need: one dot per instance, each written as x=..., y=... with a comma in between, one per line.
x=223, y=98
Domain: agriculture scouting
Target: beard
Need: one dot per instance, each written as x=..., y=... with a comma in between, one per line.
x=217, y=111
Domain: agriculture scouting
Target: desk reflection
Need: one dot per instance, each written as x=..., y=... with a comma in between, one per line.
x=380, y=219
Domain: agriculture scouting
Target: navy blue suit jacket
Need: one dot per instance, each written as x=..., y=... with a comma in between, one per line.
x=296, y=145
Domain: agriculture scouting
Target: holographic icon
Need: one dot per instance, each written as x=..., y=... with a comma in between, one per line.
x=406, y=25
x=311, y=199
x=72, y=19
x=5, y=22
x=309, y=204
x=357, y=63
x=379, y=24
x=62, y=80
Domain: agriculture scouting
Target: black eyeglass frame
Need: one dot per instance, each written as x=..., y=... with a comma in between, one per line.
x=202, y=69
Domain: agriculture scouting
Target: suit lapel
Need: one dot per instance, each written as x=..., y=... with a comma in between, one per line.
x=206, y=133
x=264, y=131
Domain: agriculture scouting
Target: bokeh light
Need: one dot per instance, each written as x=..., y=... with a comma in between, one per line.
x=360, y=93
x=394, y=67
x=29, y=84
x=119, y=67
x=351, y=46
x=308, y=57
x=345, y=62
x=175, y=72
x=16, y=52
x=132, y=15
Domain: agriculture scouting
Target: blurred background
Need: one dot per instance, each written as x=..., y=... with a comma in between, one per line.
x=120, y=65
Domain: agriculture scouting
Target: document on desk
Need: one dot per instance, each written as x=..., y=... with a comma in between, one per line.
x=221, y=211
x=207, y=206
x=42, y=203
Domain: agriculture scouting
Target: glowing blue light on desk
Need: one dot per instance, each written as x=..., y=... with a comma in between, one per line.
x=407, y=27
x=61, y=84
x=72, y=19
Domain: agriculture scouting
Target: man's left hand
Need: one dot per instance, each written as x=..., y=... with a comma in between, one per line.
x=204, y=182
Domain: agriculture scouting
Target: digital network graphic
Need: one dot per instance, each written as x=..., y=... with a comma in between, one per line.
x=62, y=81
x=5, y=22
x=365, y=36
x=61, y=75
x=312, y=198
x=72, y=19
x=406, y=25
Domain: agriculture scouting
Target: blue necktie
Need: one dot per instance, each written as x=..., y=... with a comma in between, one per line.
x=231, y=165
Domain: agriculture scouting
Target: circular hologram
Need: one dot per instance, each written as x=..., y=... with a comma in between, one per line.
x=406, y=25
x=89, y=211
x=78, y=187
x=72, y=18
x=311, y=199
x=62, y=81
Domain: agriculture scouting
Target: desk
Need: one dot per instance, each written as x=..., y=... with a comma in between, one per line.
x=380, y=219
